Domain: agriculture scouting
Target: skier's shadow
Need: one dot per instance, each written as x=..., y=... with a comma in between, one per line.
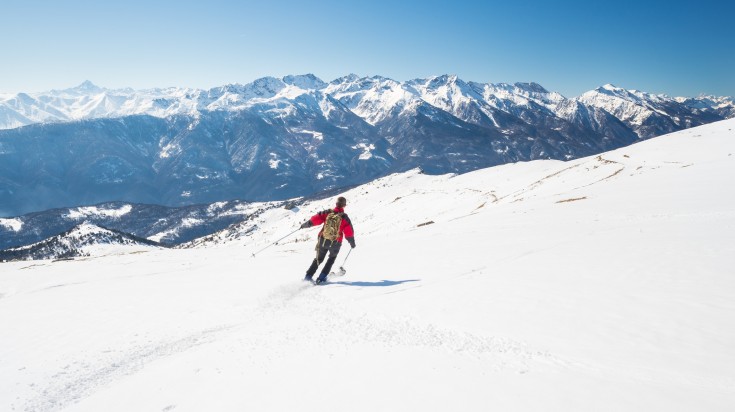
x=381, y=283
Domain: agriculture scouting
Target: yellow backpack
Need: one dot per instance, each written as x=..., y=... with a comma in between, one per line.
x=331, y=226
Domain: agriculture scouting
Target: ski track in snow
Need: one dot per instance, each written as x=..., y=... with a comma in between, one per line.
x=327, y=316
x=262, y=332
x=81, y=378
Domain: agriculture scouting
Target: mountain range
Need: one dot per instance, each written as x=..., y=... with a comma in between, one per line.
x=280, y=138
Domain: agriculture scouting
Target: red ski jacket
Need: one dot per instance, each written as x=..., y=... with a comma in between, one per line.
x=345, y=228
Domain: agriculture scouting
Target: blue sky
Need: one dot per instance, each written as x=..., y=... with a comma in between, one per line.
x=673, y=47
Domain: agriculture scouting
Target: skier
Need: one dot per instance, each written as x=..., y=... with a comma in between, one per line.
x=336, y=225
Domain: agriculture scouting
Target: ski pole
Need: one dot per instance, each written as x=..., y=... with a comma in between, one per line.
x=276, y=242
x=348, y=255
x=342, y=270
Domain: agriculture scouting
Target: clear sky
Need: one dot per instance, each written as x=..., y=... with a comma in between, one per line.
x=681, y=48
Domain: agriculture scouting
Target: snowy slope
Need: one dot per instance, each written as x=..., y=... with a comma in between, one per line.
x=603, y=283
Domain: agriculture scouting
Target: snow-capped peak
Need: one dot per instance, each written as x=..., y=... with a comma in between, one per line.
x=610, y=87
x=373, y=98
x=444, y=84
x=87, y=86
x=349, y=78
x=621, y=103
x=451, y=94
x=438, y=81
x=651, y=114
x=531, y=87
x=305, y=81
x=631, y=95
x=263, y=87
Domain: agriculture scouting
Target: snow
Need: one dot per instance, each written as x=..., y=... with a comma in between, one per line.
x=85, y=212
x=88, y=101
x=630, y=106
x=291, y=92
x=274, y=161
x=168, y=149
x=190, y=222
x=374, y=98
x=86, y=229
x=314, y=134
x=216, y=207
x=306, y=81
x=244, y=209
x=12, y=224
x=602, y=283
x=366, y=150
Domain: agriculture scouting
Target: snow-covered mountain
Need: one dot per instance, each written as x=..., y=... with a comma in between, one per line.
x=88, y=101
x=169, y=226
x=85, y=239
x=722, y=106
x=652, y=115
x=279, y=138
x=372, y=98
x=599, y=283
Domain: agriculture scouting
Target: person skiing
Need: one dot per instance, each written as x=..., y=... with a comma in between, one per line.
x=336, y=226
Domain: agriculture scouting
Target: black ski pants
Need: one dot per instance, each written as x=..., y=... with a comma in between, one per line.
x=324, y=246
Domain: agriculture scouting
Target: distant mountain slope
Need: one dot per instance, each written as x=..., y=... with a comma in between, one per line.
x=169, y=226
x=82, y=240
x=177, y=161
x=652, y=115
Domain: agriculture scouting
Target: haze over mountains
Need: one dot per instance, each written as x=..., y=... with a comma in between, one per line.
x=280, y=138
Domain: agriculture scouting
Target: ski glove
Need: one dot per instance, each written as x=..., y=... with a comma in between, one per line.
x=307, y=224
x=351, y=241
